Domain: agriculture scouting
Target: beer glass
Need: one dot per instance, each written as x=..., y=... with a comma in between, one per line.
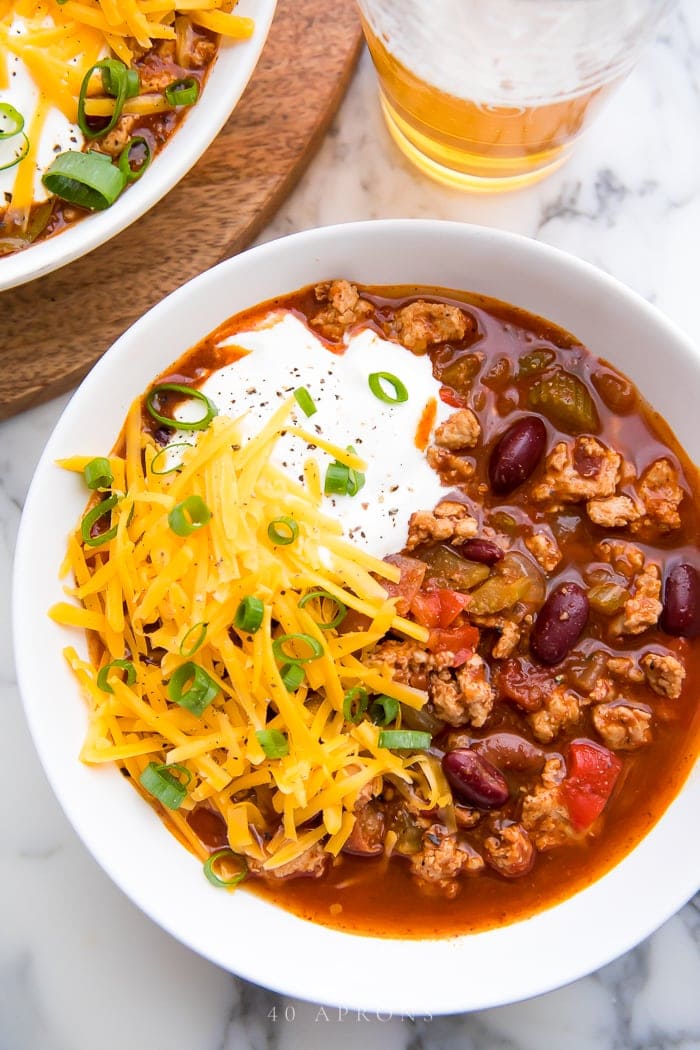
x=492, y=94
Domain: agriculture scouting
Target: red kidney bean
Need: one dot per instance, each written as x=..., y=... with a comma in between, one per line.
x=510, y=751
x=559, y=623
x=474, y=779
x=484, y=551
x=681, y=611
x=516, y=454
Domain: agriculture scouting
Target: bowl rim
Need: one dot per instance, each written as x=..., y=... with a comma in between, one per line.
x=317, y=980
x=233, y=67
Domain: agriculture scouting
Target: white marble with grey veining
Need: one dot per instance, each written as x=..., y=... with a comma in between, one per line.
x=80, y=967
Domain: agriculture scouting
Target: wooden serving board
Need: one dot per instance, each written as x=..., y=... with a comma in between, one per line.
x=54, y=329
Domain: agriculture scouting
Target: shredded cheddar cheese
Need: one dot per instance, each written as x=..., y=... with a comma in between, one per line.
x=148, y=592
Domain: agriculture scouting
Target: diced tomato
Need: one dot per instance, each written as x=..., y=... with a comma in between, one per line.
x=426, y=608
x=439, y=607
x=592, y=774
x=451, y=605
x=451, y=397
x=412, y=572
x=455, y=640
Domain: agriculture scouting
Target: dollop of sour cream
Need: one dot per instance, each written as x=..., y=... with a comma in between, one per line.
x=283, y=354
x=55, y=135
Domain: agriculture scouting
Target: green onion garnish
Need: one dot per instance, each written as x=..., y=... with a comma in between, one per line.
x=336, y=480
x=89, y=180
x=375, y=380
x=98, y=473
x=292, y=676
x=119, y=665
x=111, y=78
x=225, y=854
x=282, y=531
x=189, y=515
x=326, y=625
x=164, y=452
x=383, y=710
x=342, y=480
x=305, y=401
x=249, y=614
x=21, y=153
x=355, y=704
x=101, y=510
x=192, y=688
x=125, y=160
x=8, y=114
x=273, y=743
x=115, y=82
x=183, y=92
x=193, y=639
x=404, y=739
x=305, y=639
x=190, y=391
x=161, y=782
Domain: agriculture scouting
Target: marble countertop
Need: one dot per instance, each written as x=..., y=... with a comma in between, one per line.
x=79, y=966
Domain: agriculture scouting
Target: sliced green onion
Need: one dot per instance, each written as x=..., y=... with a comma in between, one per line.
x=111, y=78
x=183, y=92
x=98, y=473
x=119, y=665
x=192, y=688
x=340, y=615
x=404, y=739
x=342, y=480
x=213, y=861
x=89, y=180
x=375, y=380
x=280, y=654
x=124, y=160
x=305, y=401
x=292, y=676
x=383, y=710
x=190, y=391
x=9, y=113
x=355, y=704
x=23, y=151
x=189, y=515
x=163, y=452
x=285, y=534
x=101, y=510
x=336, y=480
x=249, y=614
x=115, y=82
x=193, y=639
x=273, y=743
x=161, y=782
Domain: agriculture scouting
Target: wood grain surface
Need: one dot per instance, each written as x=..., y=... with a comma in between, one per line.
x=53, y=330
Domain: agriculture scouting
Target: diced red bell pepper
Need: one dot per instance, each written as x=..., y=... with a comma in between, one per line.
x=439, y=607
x=591, y=777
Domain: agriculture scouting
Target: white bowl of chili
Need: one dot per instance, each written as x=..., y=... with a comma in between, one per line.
x=575, y=925
x=176, y=114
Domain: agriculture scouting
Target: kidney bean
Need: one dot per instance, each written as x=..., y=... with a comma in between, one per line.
x=559, y=623
x=511, y=751
x=484, y=551
x=681, y=611
x=474, y=779
x=516, y=454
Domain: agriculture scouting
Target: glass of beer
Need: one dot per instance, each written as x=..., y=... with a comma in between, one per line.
x=492, y=94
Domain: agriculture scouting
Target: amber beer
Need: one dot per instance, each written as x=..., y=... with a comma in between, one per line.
x=508, y=118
